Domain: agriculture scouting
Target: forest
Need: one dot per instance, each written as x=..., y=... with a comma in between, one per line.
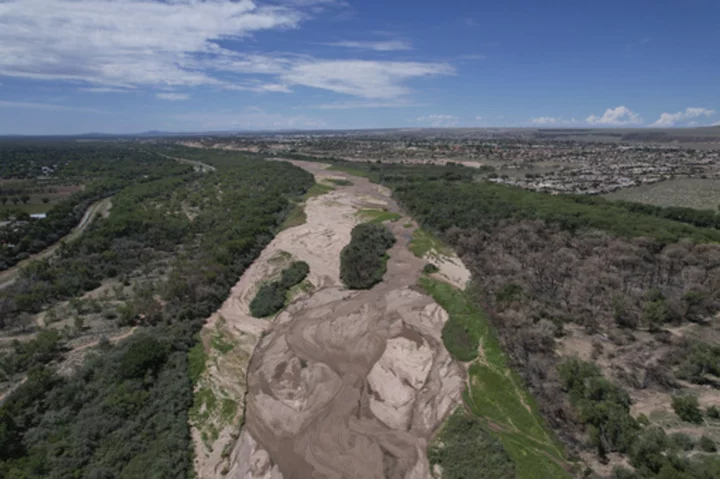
x=123, y=413
x=103, y=170
x=629, y=274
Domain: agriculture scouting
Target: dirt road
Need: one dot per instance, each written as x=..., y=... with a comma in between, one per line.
x=101, y=207
x=342, y=384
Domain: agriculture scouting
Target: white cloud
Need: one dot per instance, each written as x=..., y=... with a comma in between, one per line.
x=125, y=42
x=545, y=120
x=367, y=79
x=378, y=46
x=438, y=120
x=353, y=105
x=105, y=89
x=670, y=119
x=173, y=96
x=618, y=116
x=478, y=118
x=174, y=43
x=45, y=106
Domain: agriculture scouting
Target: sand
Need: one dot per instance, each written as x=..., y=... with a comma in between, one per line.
x=341, y=383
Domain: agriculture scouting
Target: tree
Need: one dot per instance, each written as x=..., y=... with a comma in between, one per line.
x=46, y=200
x=15, y=200
x=687, y=408
x=4, y=200
x=25, y=199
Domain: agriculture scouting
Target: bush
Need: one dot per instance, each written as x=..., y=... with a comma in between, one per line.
x=363, y=261
x=707, y=444
x=603, y=407
x=687, y=408
x=713, y=412
x=682, y=441
x=271, y=297
x=465, y=449
x=294, y=274
x=430, y=268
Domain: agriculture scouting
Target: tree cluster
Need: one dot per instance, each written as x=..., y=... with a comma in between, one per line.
x=363, y=260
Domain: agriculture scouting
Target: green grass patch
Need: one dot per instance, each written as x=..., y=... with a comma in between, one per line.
x=304, y=287
x=228, y=410
x=378, y=216
x=196, y=360
x=340, y=182
x=495, y=393
x=218, y=343
x=424, y=242
x=317, y=189
x=296, y=217
x=350, y=170
x=203, y=397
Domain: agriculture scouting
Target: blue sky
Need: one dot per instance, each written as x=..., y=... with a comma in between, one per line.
x=124, y=66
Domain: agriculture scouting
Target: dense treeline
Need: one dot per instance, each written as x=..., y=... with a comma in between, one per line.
x=541, y=263
x=104, y=170
x=124, y=414
x=363, y=261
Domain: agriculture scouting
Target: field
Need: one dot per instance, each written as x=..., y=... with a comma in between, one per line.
x=33, y=197
x=688, y=192
x=495, y=393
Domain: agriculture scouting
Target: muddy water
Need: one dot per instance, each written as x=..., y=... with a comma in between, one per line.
x=350, y=384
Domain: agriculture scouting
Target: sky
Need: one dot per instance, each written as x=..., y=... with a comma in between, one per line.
x=128, y=66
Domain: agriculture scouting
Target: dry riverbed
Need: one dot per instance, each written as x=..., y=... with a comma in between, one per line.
x=341, y=383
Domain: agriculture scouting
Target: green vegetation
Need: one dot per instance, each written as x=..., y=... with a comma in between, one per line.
x=602, y=407
x=605, y=410
x=430, y=269
x=125, y=413
x=318, y=189
x=103, y=169
x=701, y=194
x=196, y=362
x=465, y=449
x=363, y=260
x=481, y=205
x=706, y=444
x=702, y=361
x=495, y=393
x=271, y=297
x=340, y=182
x=424, y=242
x=296, y=217
x=378, y=216
x=687, y=408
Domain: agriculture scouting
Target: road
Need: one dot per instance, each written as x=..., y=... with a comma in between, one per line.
x=100, y=207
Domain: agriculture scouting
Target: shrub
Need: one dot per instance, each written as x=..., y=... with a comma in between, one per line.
x=603, y=407
x=363, y=261
x=687, y=408
x=294, y=274
x=430, y=268
x=707, y=444
x=466, y=449
x=682, y=441
x=713, y=412
x=271, y=297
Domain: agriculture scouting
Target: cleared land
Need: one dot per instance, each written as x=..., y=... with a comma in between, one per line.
x=695, y=193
